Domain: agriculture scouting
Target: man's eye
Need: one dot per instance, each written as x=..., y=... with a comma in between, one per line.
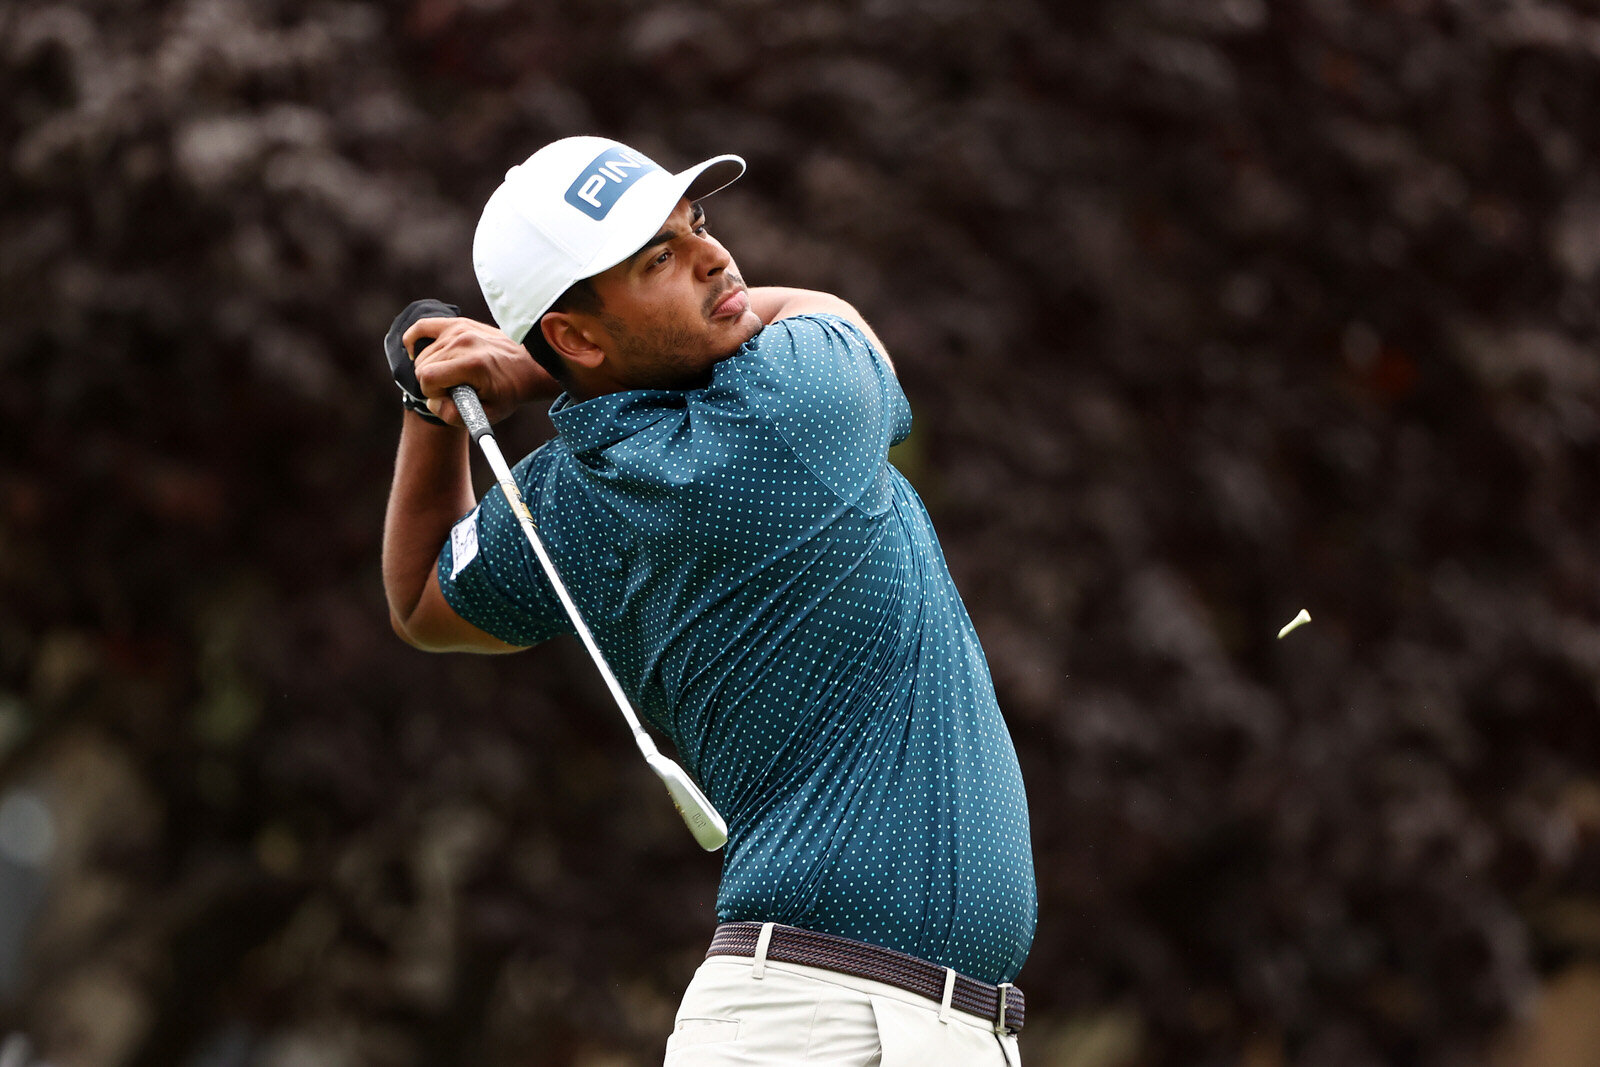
x=662, y=258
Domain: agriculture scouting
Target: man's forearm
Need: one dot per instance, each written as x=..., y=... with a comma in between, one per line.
x=432, y=489
x=774, y=302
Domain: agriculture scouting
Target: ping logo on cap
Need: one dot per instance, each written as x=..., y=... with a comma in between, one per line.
x=607, y=178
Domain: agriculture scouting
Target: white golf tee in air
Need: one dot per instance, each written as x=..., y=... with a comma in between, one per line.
x=1298, y=621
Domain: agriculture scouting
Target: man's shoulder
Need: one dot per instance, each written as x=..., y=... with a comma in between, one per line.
x=544, y=459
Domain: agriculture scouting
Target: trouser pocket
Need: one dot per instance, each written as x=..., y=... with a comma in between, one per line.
x=910, y=1037
x=914, y=1037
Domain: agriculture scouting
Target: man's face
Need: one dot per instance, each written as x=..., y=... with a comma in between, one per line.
x=674, y=309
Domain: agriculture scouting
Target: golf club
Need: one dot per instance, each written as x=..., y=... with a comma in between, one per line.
x=703, y=821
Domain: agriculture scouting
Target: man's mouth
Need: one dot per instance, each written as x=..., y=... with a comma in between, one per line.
x=735, y=303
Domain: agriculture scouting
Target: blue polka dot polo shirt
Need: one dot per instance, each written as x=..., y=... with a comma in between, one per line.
x=769, y=591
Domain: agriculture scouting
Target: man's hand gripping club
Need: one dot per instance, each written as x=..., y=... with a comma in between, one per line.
x=451, y=351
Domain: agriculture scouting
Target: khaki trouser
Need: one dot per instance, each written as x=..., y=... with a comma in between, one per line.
x=756, y=1013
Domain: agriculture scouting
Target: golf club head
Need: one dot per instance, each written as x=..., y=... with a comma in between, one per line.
x=709, y=831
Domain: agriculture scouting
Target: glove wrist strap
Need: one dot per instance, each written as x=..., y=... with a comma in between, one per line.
x=418, y=406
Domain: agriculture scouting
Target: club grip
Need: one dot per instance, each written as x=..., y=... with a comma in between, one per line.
x=472, y=416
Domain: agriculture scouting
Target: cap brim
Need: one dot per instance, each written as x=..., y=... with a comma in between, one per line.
x=716, y=173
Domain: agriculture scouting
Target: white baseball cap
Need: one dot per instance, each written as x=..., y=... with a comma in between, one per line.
x=576, y=207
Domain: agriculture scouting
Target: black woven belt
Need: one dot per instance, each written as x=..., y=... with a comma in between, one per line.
x=1002, y=1004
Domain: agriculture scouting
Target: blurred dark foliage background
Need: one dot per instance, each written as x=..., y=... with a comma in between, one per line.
x=1210, y=310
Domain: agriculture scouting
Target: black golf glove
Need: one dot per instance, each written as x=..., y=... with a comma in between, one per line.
x=405, y=375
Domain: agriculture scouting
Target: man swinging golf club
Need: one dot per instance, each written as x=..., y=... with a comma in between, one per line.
x=717, y=519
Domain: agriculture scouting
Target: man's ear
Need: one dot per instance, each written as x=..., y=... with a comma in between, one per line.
x=572, y=338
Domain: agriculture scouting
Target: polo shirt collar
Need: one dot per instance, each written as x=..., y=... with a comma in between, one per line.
x=598, y=423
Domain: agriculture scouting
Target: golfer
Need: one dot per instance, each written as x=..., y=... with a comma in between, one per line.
x=765, y=585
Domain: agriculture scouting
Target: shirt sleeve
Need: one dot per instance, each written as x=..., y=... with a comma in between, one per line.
x=834, y=398
x=490, y=576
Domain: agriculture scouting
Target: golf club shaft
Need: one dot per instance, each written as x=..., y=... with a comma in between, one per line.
x=698, y=813
x=478, y=425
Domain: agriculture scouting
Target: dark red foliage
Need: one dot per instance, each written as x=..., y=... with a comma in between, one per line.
x=1208, y=312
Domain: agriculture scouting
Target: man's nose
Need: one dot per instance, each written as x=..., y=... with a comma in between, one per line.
x=714, y=259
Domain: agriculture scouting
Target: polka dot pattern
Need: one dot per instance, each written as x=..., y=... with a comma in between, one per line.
x=770, y=592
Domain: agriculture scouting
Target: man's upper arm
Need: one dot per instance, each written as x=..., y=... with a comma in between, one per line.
x=487, y=575
x=435, y=627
